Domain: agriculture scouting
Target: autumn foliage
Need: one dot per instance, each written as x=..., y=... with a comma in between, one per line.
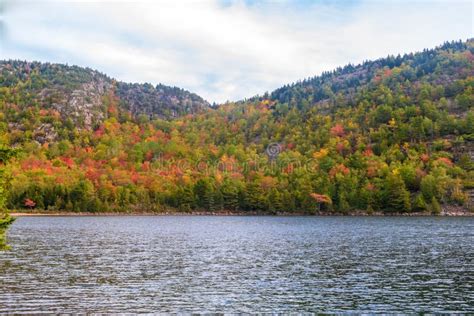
x=385, y=135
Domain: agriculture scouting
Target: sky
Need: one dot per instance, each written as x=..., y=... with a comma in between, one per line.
x=221, y=49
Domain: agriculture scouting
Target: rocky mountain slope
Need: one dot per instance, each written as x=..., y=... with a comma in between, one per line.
x=86, y=96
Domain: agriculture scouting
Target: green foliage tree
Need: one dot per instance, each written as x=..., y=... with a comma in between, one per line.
x=230, y=195
x=204, y=191
x=434, y=206
x=397, y=198
x=254, y=199
x=5, y=219
x=419, y=203
x=429, y=187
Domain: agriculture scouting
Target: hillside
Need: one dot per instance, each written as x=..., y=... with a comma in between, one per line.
x=392, y=135
x=86, y=97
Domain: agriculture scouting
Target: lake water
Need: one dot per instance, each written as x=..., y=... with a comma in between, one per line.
x=238, y=264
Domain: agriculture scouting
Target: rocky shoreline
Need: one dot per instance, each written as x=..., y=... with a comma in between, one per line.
x=446, y=211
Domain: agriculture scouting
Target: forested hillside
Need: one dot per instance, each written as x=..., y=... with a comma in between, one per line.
x=393, y=135
x=84, y=97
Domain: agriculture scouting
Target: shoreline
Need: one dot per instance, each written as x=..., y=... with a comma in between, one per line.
x=445, y=213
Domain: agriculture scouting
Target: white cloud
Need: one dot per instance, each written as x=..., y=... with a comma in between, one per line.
x=228, y=51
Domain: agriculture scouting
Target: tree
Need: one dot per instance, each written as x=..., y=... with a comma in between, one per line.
x=408, y=174
x=429, y=187
x=230, y=195
x=275, y=201
x=419, y=204
x=253, y=197
x=186, y=197
x=30, y=203
x=82, y=197
x=321, y=200
x=342, y=204
x=204, y=191
x=383, y=114
x=6, y=220
x=397, y=198
x=435, y=207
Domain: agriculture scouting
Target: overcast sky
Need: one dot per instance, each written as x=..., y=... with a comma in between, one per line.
x=224, y=50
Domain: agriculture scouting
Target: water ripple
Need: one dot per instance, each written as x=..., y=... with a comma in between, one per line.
x=238, y=264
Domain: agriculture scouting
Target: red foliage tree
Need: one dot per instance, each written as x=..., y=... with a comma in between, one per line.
x=30, y=203
x=338, y=130
x=321, y=199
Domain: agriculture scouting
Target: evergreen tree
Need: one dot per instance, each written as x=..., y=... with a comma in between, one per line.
x=397, y=198
x=5, y=219
x=429, y=187
x=342, y=204
x=419, y=204
x=204, y=192
x=254, y=198
x=230, y=196
x=275, y=201
x=187, y=199
x=435, y=207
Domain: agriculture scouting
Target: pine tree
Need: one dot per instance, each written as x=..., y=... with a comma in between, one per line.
x=419, y=204
x=397, y=198
x=254, y=198
x=342, y=205
x=429, y=187
x=230, y=196
x=186, y=198
x=204, y=192
x=275, y=201
x=435, y=207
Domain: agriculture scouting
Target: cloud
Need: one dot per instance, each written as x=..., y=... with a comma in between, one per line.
x=225, y=50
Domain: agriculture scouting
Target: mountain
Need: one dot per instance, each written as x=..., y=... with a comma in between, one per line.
x=394, y=135
x=346, y=84
x=86, y=96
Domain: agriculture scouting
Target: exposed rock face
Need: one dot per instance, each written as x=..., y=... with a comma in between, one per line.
x=160, y=101
x=77, y=95
x=85, y=103
x=45, y=133
x=82, y=105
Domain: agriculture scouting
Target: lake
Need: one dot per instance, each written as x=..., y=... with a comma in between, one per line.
x=238, y=264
